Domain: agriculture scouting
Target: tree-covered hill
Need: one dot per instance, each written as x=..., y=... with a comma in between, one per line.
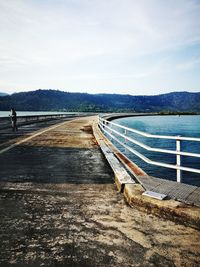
x=54, y=100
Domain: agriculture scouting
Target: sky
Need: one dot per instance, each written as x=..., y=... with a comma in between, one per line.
x=137, y=47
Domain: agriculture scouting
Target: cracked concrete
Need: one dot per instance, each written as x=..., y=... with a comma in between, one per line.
x=79, y=220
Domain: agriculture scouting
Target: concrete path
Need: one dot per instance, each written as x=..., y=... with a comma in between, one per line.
x=59, y=207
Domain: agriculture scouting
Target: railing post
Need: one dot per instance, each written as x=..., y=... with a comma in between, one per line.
x=125, y=140
x=110, y=125
x=102, y=123
x=125, y=133
x=178, y=161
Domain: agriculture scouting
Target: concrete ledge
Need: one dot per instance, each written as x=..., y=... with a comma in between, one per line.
x=121, y=175
x=169, y=209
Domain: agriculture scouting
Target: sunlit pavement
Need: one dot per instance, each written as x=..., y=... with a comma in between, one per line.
x=59, y=207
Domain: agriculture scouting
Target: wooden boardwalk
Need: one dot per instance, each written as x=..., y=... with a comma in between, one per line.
x=59, y=206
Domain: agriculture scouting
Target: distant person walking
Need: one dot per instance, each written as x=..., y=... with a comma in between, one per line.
x=14, y=119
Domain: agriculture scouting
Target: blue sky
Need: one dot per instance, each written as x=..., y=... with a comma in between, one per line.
x=100, y=46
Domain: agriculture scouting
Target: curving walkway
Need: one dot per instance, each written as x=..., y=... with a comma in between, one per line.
x=59, y=207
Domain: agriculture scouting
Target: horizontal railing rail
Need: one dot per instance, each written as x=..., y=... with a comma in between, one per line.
x=107, y=127
x=5, y=122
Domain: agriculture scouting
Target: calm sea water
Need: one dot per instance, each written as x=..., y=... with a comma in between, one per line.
x=165, y=125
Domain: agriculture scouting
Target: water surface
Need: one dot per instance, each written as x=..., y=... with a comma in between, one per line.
x=165, y=125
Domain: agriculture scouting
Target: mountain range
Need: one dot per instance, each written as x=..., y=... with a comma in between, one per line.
x=55, y=100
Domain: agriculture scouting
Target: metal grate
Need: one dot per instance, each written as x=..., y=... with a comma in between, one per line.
x=188, y=194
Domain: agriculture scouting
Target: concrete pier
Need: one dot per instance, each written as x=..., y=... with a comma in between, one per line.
x=59, y=206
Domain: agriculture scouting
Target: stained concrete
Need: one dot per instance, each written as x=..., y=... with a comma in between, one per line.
x=50, y=217
x=54, y=165
x=8, y=137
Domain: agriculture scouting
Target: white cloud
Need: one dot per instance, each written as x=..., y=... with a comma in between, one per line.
x=87, y=40
x=190, y=64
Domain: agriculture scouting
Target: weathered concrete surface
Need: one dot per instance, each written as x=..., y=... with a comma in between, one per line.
x=8, y=137
x=60, y=221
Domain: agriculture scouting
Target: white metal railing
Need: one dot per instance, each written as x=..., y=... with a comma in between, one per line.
x=106, y=127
